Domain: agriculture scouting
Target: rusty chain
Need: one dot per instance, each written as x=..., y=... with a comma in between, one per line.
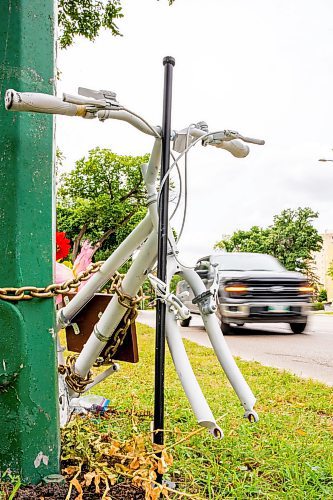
x=75, y=381
x=131, y=304
x=29, y=292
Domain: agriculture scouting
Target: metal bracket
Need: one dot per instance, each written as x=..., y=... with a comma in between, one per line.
x=183, y=138
x=176, y=305
x=207, y=301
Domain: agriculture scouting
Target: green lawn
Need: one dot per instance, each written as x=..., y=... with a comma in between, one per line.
x=288, y=454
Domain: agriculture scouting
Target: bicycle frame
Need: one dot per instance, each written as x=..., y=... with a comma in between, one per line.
x=103, y=104
x=145, y=234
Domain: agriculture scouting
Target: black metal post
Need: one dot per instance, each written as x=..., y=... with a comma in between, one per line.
x=168, y=63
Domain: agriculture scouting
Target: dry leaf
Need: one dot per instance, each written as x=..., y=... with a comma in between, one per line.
x=78, y=488
x=89, y=476
x=161, y=466
x=72, y=469
x=135, y=464
x=97, y=480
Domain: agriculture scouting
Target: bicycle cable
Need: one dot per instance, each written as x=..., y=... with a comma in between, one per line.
x=155, y=132
x=186, y=184
x=179, y=157
x=180, y=186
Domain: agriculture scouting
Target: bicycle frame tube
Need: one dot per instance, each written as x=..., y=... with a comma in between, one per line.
x=183, y=366
x=220, y=346
x=134, y=277
x=103, y=330
x=122, y=253
x=187, y=378
x=115, y=311
x=118, y=257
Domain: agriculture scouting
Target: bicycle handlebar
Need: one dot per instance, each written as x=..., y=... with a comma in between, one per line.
x=235, y=147
x=89, y=107
x=41, y=103
x=231, y=141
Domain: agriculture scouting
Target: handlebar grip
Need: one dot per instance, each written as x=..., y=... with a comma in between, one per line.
x=235, y=147
x=41, y=103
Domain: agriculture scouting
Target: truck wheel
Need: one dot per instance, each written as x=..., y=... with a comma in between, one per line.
x=226, y=328
x=298, y=327
x=185, y=322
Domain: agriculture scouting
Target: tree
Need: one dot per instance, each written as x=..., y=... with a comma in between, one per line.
x=87, y=18
x=254, y=240
x=102, y=199
x=291, y=239
x=322, y=295
x=330, y=270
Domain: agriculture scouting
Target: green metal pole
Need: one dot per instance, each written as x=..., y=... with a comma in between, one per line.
x=29, y=425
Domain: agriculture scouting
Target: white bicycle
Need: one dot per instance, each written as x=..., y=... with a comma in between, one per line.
x=104, y=105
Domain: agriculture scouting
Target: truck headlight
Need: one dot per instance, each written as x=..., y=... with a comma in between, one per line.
x=236, y=289
x=306, y=289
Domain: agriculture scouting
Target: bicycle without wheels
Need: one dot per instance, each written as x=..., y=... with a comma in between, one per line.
x=104, y=106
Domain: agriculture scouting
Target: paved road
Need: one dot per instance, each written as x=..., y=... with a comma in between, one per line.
x=308, y=355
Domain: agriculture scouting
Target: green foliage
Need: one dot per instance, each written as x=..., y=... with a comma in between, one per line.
x=322, y=295
x=287, y=454
x=102, y=199
x=87, y=18
x=173, y=283
x=318, y=306
x=291, y=239
x=254, y=240
x=330, y=270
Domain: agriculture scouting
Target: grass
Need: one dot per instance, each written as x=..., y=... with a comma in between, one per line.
x=288, y=454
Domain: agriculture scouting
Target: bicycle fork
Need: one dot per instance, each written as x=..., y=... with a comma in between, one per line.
x=219, y=345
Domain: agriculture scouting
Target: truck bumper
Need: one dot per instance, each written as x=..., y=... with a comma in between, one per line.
x=295, y=312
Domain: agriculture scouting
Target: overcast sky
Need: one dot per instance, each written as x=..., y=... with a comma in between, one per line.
x=261, y=67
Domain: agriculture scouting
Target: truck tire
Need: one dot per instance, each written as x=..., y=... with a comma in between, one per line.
x=226, y=328
x=185, y=322
x=297, y=327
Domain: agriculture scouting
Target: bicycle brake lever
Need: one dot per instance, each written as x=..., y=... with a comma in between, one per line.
x=105, y=95
x=176, y=306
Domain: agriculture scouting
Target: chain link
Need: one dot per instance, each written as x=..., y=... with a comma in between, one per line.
x=29, y=292
x=131, y=304
x=75, y=381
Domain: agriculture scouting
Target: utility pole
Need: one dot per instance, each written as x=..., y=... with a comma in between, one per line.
x=29, y=423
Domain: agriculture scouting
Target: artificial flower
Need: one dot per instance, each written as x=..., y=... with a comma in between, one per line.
x=63, y=245
x=82, y=261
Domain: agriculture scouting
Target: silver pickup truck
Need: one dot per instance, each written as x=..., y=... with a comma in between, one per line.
x=253, y=288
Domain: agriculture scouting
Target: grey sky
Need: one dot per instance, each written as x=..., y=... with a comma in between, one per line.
x=263, y=68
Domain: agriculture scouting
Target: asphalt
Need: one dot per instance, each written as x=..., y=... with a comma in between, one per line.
x=309, y=355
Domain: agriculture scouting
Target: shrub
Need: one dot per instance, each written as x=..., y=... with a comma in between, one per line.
x=322, y=295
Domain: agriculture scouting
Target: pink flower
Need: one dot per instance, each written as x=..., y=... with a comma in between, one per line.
x=82, y=261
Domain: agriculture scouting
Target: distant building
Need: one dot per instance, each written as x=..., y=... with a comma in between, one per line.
x=323, y=259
